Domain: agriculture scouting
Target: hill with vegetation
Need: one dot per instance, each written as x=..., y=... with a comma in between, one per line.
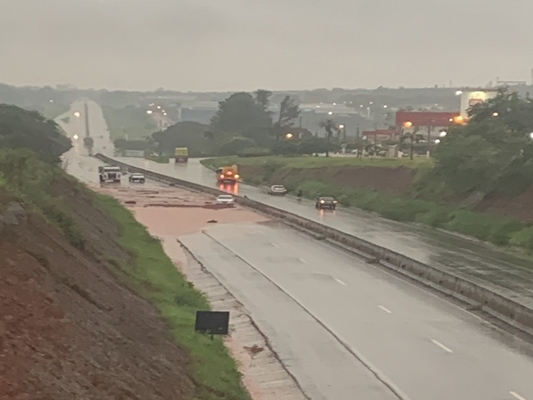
x=90, y=305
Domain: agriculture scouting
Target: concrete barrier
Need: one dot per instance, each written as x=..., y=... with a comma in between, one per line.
x=475, y=294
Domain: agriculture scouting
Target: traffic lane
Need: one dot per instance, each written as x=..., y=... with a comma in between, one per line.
x=323, y=368
x=85, y=168
x=509, y=274
x=447, y=251
x=429, y=348
x=97, y=126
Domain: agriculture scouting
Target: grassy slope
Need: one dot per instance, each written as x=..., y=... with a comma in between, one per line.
x=131, y=121
x=487, y=227
x=156, y=278
x=319, y=162
x=152, y=275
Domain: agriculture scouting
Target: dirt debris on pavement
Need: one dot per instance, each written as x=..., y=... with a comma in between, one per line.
x=264, y=375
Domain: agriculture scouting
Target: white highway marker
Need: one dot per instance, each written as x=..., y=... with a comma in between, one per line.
x=441, y=346
x=385, y=309
x=274, y=245
x=341, y=282
x=302, y=260
x=517, y=396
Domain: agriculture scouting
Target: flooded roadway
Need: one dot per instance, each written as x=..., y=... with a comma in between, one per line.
x=303, y=293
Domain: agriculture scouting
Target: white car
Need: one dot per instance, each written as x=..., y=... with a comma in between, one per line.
x=225, y=199
x=279, y=190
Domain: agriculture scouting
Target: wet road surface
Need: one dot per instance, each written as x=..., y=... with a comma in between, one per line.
x=423, y=346
x=510, y=274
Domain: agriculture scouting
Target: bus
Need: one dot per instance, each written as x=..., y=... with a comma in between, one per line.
x=181, y=154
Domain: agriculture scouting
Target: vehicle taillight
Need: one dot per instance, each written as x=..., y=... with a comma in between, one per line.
x=237, y=176
x=221, y=176
x=322, y=201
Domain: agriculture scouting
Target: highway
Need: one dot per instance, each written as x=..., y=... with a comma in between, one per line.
x=510, y=274
x=425, y=347
x=345, y=329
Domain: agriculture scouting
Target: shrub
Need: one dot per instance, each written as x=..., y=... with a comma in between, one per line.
x=523, y=238
x=253, y=152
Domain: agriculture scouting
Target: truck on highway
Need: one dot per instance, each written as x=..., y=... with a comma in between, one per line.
x=109, y=174
x=228, y=174
x=181, y=154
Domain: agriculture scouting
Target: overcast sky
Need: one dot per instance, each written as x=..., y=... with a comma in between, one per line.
x=225, y=45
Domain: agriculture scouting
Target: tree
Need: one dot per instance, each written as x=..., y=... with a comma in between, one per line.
x=240, y=112
x=493, y=152
x=314, y=145
x=262, y=98
x=330, y=127
x=414, y=137
x=20, y=128
x=183, y=134
x=288, y=112
x=235, y=145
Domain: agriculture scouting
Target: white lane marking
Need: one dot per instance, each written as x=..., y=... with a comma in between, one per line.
x=385, y=309
x=341, y=282
x=302, y=260
x=441, y=346
x=274, y=245
x=517, y=396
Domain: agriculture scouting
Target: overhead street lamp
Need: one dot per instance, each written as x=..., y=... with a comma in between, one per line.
x=289, y=135
x=149, y=112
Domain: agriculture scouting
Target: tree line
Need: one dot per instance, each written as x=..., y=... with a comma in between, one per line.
x=243, y=125
x=29, y=130
x=493, y=152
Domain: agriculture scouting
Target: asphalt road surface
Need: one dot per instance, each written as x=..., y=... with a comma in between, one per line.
x=302, y=292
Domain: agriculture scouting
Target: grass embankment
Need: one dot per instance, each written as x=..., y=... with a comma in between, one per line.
x=150, y=273
x=156, y=278
x=130, y=123
x=411, y=207
x=319, y=162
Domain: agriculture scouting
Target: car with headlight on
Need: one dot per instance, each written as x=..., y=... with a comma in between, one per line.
x=277, y=190
x=137, y=178
x=326, y=202
x=225, y=199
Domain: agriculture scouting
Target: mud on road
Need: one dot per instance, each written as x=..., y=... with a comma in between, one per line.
x=169, y=213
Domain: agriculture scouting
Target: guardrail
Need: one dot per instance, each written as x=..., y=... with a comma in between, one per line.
x=475, y=294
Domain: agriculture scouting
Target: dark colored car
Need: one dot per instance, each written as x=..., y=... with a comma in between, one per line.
x=326, y=202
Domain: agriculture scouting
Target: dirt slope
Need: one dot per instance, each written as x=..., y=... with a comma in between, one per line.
x=68, y=328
